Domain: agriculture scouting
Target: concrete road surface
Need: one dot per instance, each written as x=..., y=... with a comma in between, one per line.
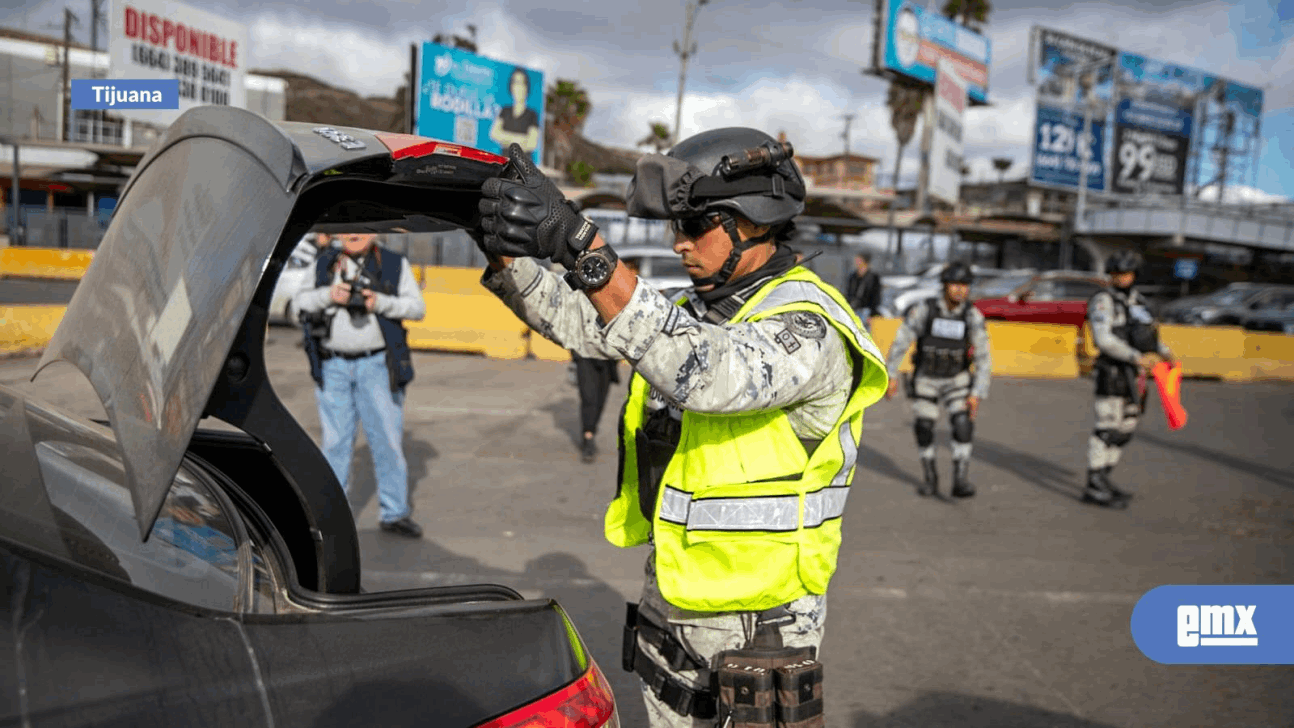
x=1010, y=609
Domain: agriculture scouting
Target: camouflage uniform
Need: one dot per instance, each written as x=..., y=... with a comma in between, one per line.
x=929, y=392
x=695, y=361
x=1119, y=399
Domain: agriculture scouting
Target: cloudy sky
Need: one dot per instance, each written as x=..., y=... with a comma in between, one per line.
x=790, y=65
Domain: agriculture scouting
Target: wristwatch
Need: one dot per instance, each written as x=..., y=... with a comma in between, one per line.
x=593, y=268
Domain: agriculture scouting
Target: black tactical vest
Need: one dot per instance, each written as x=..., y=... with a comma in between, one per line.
x=943, y=348
x=1133, y=322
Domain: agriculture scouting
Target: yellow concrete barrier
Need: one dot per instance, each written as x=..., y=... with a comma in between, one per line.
x=1209, y=351
x=23, y=328
x=1271, y=356
x=1019, y=349
x=463, y=316
x=545, y=350
x=44, y=263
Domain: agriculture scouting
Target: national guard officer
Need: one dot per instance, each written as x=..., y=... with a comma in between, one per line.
x=951, y=336
x=1127, y=338
x=741, y=430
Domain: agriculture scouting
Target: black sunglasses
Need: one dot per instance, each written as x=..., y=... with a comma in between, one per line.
x=695, y=227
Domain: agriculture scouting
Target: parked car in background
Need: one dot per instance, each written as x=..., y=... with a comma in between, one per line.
x=1230, y=306
x=297, y=275
x=160, y=573
x=659, y=266
x=894, y=301
x=1280, y=322
x=1052, y=297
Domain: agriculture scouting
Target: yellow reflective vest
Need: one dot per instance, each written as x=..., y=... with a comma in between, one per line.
x=745, y=519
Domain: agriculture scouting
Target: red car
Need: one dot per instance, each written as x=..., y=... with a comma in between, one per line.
x=1055, y=297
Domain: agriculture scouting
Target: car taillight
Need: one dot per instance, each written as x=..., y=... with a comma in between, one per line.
x=585, y=703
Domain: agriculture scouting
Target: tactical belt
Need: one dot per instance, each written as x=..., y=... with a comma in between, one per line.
x=680, y=698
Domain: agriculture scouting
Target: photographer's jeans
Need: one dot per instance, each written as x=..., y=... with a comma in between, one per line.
x=360, y=389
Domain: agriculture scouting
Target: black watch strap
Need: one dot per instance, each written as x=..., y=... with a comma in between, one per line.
x=579, y=282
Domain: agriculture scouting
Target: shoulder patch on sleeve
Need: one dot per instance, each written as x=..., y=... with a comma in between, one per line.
x=788, y=341
x=808, y=325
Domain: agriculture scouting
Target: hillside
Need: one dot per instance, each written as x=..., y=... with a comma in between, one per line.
x=312, y=100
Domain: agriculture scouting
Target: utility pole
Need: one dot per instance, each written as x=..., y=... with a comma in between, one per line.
x=844, y=167
x=685, y=50
x=96, y=17
x=69, y=18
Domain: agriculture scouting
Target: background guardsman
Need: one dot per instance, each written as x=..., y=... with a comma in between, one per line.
x=1125, y=334
x=952, y=366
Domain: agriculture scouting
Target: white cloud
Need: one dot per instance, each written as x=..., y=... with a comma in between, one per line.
x=1241, y=194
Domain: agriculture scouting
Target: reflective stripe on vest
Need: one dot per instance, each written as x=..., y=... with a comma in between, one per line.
x=764, y=513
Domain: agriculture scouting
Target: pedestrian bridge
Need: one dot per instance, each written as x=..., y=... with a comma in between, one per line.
x=1269, y=227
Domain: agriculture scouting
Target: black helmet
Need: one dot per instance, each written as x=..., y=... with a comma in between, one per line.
x=1124, y=261
x=957, y=272
x=706, y=151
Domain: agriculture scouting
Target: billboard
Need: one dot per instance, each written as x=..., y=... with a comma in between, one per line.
x=946, y=144
x=911, y=40
x=162, y=39
x=1056, y=139
x=480, y=102
x=1155, y=113
x=1060, y=65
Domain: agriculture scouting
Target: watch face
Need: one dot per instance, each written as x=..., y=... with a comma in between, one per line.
x=595, y=270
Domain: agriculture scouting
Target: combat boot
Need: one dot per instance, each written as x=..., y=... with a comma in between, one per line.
x=1105, y=481
x=961, y=486
x=1099, y=493
x=931, y=484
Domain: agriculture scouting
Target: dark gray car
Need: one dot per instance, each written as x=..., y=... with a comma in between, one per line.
x=1229, y=306
x=159, y=573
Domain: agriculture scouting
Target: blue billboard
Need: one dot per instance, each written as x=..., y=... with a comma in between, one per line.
x=1056, y=149
x=479, y=102
x=911, y=40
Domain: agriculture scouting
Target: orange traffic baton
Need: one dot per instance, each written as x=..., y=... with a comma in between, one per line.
x=1169, y=379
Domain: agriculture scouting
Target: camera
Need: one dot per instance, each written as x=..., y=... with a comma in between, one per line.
x=360, y=283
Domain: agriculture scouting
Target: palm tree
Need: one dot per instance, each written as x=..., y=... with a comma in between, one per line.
x=658, y=138
x=972, y=14
x=905, y=101
x=1002, y=164
x=568, y=107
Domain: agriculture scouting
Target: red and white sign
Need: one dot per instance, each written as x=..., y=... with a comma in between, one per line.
x=158, y=39
x=946, y=144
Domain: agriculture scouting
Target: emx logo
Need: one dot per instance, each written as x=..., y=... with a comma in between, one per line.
x=1247, y=624
x=1226, y=626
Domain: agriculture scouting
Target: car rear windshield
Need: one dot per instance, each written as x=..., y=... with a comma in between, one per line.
x=998, y=287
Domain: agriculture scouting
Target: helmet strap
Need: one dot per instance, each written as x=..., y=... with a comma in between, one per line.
x=739, y=246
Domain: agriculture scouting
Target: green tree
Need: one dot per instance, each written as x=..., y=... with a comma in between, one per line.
x=581, y=173
x=972, y=14
x=658, y=138
x=568, y=107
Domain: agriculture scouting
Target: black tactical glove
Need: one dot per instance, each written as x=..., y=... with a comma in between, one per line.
x=524, y=215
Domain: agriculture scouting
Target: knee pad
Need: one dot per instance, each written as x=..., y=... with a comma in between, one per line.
x=1114, y=438
x=925, y=429
x=963, y=428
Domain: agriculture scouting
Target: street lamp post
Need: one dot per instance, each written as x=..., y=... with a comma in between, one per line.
x=16, y=236
x=685, y=51
x=1084, y=149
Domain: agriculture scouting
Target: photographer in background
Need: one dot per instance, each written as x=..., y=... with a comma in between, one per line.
x=360, y=361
